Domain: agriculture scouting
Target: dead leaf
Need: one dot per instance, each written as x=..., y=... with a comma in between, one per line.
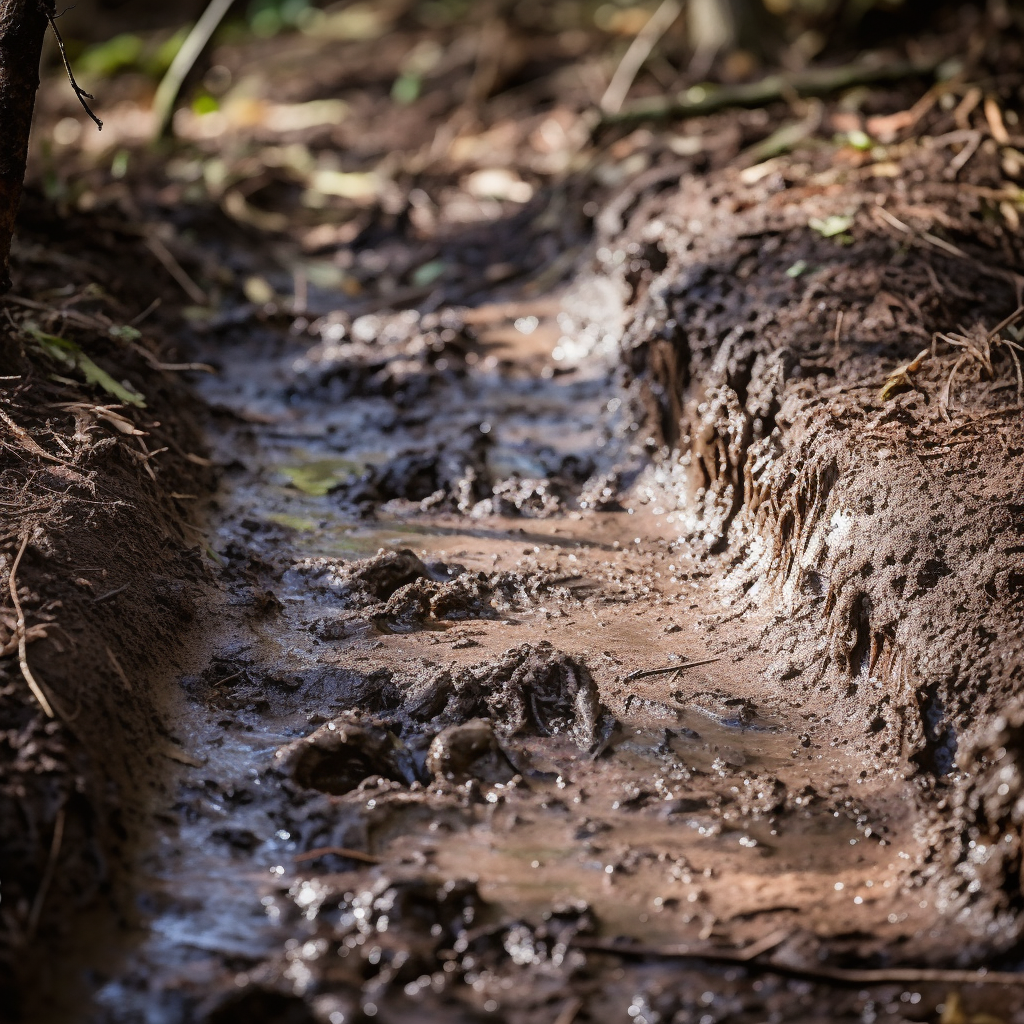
x=900, y=377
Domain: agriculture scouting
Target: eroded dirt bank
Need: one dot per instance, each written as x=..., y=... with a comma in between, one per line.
x=850, y=460
x=108, y=570
x=640, y=580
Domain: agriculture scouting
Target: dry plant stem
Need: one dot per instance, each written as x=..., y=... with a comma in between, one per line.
x=22, y=29
x=817, y=82
x=903, y=975
x=170, y=85
x=22, y=655
x=175, y=269
x=745, y=955
x=639, y=50
x=1008, y=322
x=28, y=441
x=668, y=669
x=927, y=238
x=337, y=851
x=487, y=69
x=51, y=868
x=568, y=1013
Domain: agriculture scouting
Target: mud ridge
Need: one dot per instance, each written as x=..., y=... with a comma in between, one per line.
x=869, y=520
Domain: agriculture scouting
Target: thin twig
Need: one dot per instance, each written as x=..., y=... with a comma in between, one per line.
x=182, y=367
x=135, y=321
x=337, y=851
x=845, y=975
x=1008, y=322
x=30, y=442
x=568, y=1012
x=965, y=154
x=644, y=673
x=121, y=674
x=22, y=643
x=79, y=92
x=686, y=952
x=487, y=65
x=110, y=593
x=175, y=269
x=816, y=82
x=934, y=241
x=902, y=975
x=639, y=50
x=48, y=873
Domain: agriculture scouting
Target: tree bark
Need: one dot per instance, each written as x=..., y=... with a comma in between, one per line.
x=22, y=29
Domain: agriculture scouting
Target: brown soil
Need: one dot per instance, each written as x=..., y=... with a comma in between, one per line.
x=108, y=579
x=619, y=621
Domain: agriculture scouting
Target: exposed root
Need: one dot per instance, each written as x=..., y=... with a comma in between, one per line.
x=51, y=868
x=22, y=634
x=977, y=345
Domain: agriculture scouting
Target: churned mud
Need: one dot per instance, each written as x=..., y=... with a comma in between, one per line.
x=642, y=644
x=430, y=773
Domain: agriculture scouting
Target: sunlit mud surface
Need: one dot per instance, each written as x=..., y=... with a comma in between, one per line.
x=424, y=776
x=611, y=605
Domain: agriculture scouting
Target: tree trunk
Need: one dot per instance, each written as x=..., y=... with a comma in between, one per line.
x=22, y=28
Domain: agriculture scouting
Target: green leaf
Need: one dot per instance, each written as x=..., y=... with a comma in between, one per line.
x=406, y=89
x=321, y=476
x=107, y=58
x=428, y=273
x=859, y=140
x=125, y=332
x=69, y=354
x=204, y=103
x=301, y=523
x=797, y=269
x=830, y=226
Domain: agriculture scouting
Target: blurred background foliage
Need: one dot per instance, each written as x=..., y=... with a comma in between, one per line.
x=708, y=40
x=358, y=144
x=110, y=37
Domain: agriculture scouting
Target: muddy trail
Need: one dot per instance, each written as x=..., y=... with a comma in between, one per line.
x=609, y=603
x=446, y=747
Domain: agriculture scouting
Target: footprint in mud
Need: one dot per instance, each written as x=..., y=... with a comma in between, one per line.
x=367, y=582
x=399, y=593
x=469, y=751
x=461, y=474
x=529, y=689
x=725, y=709
x=343, y=753
x=446, y=475
x=450, y=724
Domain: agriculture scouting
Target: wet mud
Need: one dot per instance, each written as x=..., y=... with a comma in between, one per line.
x=450, y=751
x=636, y=641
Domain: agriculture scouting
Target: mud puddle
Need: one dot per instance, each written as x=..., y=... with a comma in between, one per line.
x=447, y=745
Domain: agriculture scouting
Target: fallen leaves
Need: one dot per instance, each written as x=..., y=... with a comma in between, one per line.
x=69, y=354
x=321, y=476
x=830, y=227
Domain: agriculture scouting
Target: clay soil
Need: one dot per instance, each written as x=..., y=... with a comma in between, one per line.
x=561, y=571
